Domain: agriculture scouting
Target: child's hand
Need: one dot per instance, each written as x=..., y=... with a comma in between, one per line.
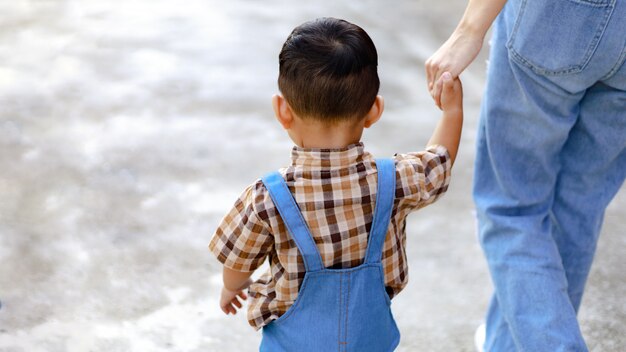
x=451, y=94
x=229, y=300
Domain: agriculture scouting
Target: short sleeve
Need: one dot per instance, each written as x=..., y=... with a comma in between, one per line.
x=242, y=241
x=423, y=177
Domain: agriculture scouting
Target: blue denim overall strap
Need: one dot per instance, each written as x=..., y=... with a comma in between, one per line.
x=345, y=310
x=290, y=213
x=382, y=212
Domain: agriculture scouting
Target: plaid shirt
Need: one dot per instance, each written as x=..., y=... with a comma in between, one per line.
x=335, y=190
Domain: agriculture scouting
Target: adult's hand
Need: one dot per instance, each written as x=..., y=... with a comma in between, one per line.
x=453, y=56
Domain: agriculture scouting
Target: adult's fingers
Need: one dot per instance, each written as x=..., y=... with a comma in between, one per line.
x=433, y=73
x=435, y=86
x=429, y=73
x=451, y=90
x=436, y=92
x=448, y=83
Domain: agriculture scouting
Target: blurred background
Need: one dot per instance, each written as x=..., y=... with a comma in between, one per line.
x=127, y=130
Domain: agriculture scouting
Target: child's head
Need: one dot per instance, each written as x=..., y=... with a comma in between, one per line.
x=328, y=71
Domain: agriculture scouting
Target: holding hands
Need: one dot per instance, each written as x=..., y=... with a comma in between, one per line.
x=450, y=94
x=463, y=45
x=452, y=58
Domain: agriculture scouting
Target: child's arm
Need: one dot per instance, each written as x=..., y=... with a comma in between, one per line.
x=234, y=284
x=448, y=131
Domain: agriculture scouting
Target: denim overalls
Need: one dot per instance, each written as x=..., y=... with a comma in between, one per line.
x=336, y=309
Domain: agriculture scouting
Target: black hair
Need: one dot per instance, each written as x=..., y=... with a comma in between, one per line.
x=328, y=70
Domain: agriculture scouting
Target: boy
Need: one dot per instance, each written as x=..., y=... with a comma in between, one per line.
x=333, y=222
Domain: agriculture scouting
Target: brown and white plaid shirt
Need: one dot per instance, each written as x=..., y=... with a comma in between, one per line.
x=335, y=190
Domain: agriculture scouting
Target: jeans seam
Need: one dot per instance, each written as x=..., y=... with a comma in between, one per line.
x=509, y=42
x=599, y=33
x=347, y=311
x=593, y=3
x=617, y=66
x=340, y=305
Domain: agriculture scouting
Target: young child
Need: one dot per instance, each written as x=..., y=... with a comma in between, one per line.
x=332, y=224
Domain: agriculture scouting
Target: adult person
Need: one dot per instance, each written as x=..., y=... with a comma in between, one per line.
x=550, y=155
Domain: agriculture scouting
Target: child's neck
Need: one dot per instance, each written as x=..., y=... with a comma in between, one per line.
x=318, y=135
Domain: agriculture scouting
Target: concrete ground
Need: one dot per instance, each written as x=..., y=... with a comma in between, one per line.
x=128, y=128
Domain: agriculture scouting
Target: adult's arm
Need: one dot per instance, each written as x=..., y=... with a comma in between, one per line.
x=463, y=45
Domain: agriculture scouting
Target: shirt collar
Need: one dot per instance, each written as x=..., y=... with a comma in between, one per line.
x=327, y=158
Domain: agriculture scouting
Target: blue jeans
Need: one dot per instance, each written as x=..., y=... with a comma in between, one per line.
x=550, y=157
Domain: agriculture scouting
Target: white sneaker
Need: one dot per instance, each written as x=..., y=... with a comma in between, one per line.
x=479, y=338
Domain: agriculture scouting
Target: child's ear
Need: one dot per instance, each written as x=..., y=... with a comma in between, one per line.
x=282, y=110
x=375, y=112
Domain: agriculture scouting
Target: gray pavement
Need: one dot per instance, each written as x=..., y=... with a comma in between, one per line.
x=128, y=128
